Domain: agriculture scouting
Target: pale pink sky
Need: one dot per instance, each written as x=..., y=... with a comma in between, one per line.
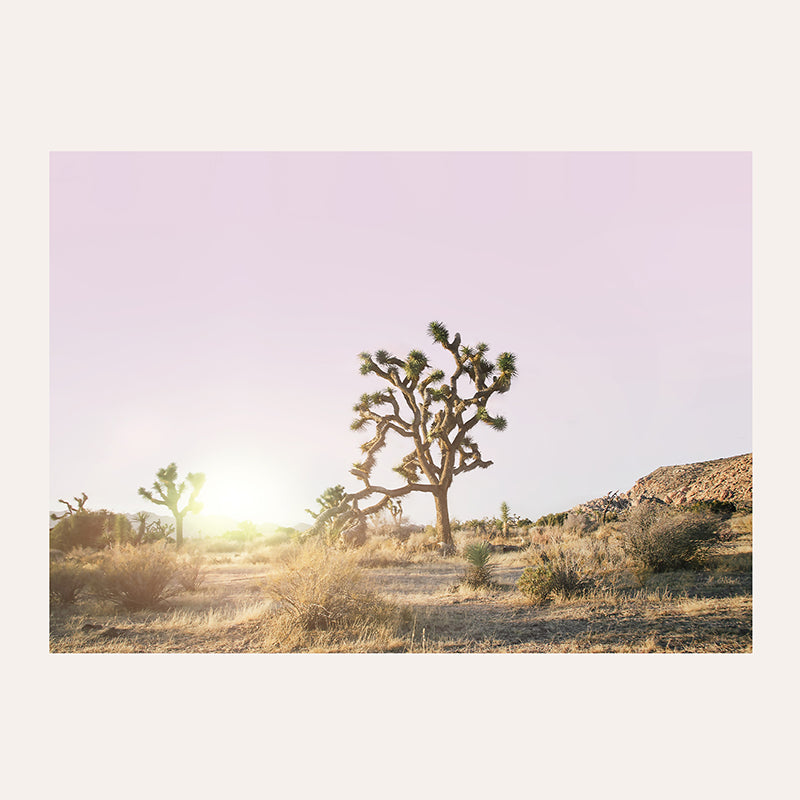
x=208, y=309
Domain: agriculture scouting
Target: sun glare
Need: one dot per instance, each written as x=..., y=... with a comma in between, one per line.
x=240, y=493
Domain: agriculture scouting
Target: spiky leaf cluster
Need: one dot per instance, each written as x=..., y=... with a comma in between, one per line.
x=430, y=410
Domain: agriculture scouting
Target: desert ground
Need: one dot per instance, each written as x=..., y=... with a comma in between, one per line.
x=409, y=599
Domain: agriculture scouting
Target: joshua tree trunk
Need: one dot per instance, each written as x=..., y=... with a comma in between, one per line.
x=443, y=521
x=178, y=531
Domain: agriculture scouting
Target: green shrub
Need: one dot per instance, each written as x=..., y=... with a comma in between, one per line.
x=68, y=579
x=558, y=571
x=536, y=583
x=552, y=520
x=660, y=540
x=479, y=564
x=138, y=577
x=720, y=507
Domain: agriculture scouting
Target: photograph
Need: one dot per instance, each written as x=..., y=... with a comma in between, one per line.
x=400, y=402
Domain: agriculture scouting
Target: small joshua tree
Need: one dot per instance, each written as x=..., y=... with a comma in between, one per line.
x=141, y=533
x=396, y=510
x=148, y=532
x=167, y=492
x=436, y=417
x=505, y=517
x=329, y=499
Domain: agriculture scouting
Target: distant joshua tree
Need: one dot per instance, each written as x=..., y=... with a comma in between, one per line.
x=395, y=508
x=505, y=517
x=167, y=492
x=79, y=501
x=151, y=531
x=436, y=418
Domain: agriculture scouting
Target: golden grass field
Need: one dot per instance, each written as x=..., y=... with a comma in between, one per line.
x=388, y=597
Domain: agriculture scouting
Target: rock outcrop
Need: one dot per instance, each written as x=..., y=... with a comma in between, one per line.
x=727, y=479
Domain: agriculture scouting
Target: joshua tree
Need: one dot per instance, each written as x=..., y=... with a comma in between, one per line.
x=169, y=494
x=436, y=418
x=80, y=501
x=158, y=530
x=396, y=510
x=141, y=533
x=505, y=517
x=329, y=499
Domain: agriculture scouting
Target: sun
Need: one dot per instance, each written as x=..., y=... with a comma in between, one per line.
x=241, y=492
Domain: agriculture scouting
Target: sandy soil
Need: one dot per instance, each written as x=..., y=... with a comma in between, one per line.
x=679, y=612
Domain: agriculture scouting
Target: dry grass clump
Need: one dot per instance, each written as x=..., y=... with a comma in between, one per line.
x=260, y=555
x=191, y=575
x=422, y=542
x=324, y=603
x=661, y=540
x=741, y=524
x=382, y=551
x=68, y=580
x=139, y=577
x=557, y=570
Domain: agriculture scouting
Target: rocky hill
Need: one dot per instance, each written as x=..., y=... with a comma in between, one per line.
x=728, y=479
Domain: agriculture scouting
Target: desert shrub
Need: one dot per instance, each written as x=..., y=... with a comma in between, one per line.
x=319, y=589
x=280, y=536
x=580, y=523
x=536, y=583
x=552, y=520
x=422, y=541
x=382, y=551
x=260, y=555
x=720, y=507
x=556, y=570
x=480, y=568
x=68, y=579
x=218, y=544
x=90, y=529
x=138, y=577
x=741, y=525
x=660, y=540
x=190, y=575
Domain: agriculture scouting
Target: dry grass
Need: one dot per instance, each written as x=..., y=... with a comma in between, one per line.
x=324, y=603
x=389, y=598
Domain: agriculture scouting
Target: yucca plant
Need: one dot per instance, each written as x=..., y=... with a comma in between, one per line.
x=480, y=569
